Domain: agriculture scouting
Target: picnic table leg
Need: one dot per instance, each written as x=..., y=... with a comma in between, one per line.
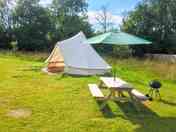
x=106, y=99
x=117, y=95
x=113, y=93
x=101, y=85
x=120, y=94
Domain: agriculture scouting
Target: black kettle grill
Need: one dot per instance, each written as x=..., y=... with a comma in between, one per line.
x=155, y=86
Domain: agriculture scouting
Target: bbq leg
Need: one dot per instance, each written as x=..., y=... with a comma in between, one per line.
x=158, y=94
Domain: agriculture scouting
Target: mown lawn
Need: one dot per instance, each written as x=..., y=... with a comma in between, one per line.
x=64, y=104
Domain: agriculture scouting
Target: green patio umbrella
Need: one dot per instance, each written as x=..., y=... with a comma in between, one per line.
x=119, y=38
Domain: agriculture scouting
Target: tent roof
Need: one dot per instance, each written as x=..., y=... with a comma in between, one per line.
x=79, y=54
x=119, y=38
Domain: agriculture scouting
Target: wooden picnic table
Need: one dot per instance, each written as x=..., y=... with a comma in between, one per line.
x=117, y=87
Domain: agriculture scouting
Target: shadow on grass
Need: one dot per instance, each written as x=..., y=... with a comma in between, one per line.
x=65, y=75
x=167, y=102
x=106, y=111
x=32, y=68
x=17, y=76
x=61, y=76
x=146, y=119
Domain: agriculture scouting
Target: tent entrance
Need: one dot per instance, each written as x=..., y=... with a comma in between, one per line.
x=56, y=61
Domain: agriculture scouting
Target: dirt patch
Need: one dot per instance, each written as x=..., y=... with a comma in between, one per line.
x=19, y=113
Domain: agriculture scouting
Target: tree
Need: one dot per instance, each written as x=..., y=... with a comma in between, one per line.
x=32, y=25
x=70, y=17
x=36, y=28
x=104, y=19
x=5, y=23
x=155, y=20
x=5, y=14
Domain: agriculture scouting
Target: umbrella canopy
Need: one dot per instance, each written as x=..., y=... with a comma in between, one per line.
x=119, y=38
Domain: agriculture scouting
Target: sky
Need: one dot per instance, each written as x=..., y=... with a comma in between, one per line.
x=115, y=9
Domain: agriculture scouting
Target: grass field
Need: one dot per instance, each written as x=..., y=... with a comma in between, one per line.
x=64, y=104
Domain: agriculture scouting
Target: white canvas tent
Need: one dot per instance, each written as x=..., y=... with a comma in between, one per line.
x=75, y=56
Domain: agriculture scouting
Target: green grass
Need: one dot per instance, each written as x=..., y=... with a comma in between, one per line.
x=65, y=105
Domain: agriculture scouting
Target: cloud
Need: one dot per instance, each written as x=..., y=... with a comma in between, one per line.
x=45, y=2
x=92, y=17
x=116, y=20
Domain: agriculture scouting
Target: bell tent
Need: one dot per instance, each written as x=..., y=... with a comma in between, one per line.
x=75, y=56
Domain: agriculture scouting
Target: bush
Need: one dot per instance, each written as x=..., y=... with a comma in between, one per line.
x=121, y=51
x=14, y=45
x=5, y=40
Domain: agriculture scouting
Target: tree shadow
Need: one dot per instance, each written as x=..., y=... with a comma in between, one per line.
x=146, y=119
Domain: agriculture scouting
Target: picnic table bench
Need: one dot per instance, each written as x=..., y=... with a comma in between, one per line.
x=95, y=91
x=138, y=95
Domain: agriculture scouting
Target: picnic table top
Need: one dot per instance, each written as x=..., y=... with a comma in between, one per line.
x=116, y=83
